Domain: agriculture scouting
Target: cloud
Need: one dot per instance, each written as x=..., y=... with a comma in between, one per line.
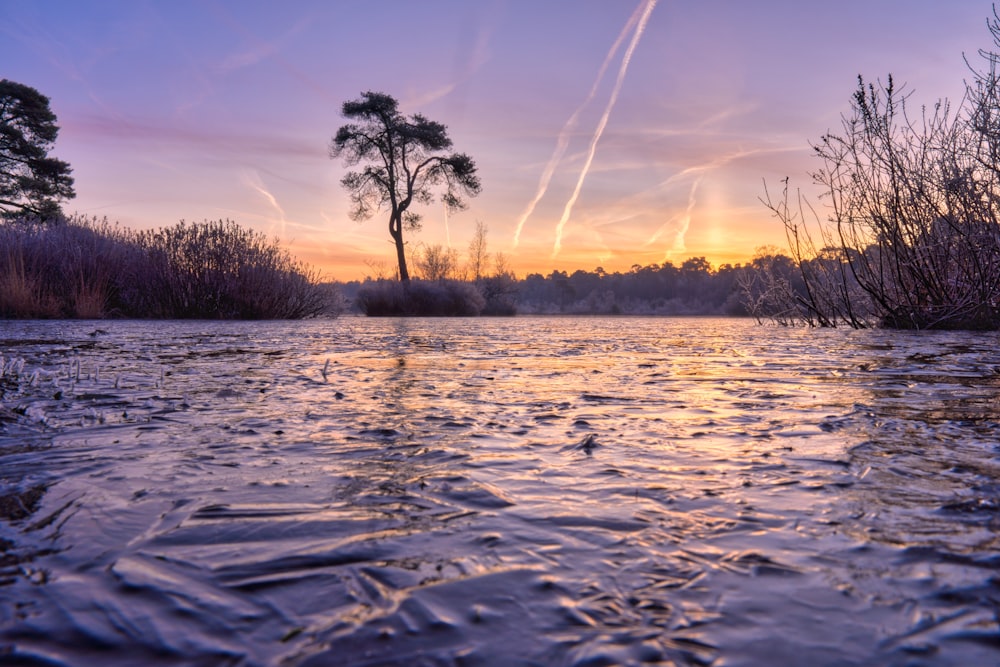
x=156, y=133
x=471, y=53
x=678, y=244
x=259, y=50
x=254, y=181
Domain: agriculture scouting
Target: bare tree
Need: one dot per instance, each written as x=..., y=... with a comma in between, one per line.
x=765, y=287
x=378, y=269
x=501, y=266
x=404, y=160
x=478, y=257
x=435, y=262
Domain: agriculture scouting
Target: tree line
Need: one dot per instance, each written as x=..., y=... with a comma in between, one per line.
x=694, y=287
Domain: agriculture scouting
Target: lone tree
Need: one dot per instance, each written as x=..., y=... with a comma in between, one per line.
x=31, y=182
x=405, y=159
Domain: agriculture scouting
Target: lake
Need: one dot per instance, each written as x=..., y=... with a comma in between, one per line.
x=524, y=491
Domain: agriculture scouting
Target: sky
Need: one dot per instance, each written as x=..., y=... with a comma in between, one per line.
x=607, y=133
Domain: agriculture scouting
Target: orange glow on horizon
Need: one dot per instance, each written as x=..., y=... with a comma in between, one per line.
x=345, y=265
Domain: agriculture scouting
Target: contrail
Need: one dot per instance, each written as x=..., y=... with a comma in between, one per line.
x=259, y=187
x=563, y=140
x=603, y=123
x=699, y=172
x=447, y=229
x=678, y=245
x=686, y=215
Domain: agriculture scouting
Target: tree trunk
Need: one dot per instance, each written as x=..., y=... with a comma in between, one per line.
x=404, y=275
x=396, y=232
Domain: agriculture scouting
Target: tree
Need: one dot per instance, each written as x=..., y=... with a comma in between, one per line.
x=477, y=252
x=436, y=263
x=405, y=159
x=30, y=181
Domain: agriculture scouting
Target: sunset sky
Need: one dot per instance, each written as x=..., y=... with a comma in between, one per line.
x=607, y=132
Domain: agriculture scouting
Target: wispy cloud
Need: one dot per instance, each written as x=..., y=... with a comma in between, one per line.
x=64, y=52
x=622, y=70
x=260, y=50
x=685, y=222
x=447, y=227
x=682, y=222
x=185, y=137
x=470, y=55
x=694, y=176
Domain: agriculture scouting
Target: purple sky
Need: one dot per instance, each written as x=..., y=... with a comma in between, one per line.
x=202, y=110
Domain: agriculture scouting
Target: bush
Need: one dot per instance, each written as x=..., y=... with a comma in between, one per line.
x=59, y=270
x=499, y=293
x=221, y=270
x=383, y=298
x=913, y=235
x=88, y=268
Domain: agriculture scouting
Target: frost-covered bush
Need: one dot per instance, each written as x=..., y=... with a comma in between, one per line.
x=90, y=268
x=419, y=297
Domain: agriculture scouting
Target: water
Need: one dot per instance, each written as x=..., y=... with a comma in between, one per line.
x=537, y=491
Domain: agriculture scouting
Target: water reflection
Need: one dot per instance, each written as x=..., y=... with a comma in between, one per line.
x=529, y=490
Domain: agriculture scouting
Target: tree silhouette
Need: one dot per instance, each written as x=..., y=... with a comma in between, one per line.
x=405, y=159
x=30, y=181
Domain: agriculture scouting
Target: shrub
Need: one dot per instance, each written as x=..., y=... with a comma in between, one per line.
x=221, y=270
x=913, y=234
x=419, y=298
x=89, y=268
x=499, y=293
x=21, y=294
x=58, y=270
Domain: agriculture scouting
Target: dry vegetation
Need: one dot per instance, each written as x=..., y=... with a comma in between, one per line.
x=911, y=237
x=89, y=268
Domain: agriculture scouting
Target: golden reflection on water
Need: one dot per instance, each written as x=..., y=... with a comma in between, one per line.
x=527, y=490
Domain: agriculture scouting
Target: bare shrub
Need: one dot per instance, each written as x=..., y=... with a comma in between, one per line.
x=419, y=298
x=435, y=263
x=25, y=272
x=221, y=270
x=21, y=295
x=90, y=300
x=89, y=268
x=86, y=257
x=912, y=237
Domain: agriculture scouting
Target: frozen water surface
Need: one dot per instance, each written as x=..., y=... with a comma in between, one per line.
x=534, y=491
